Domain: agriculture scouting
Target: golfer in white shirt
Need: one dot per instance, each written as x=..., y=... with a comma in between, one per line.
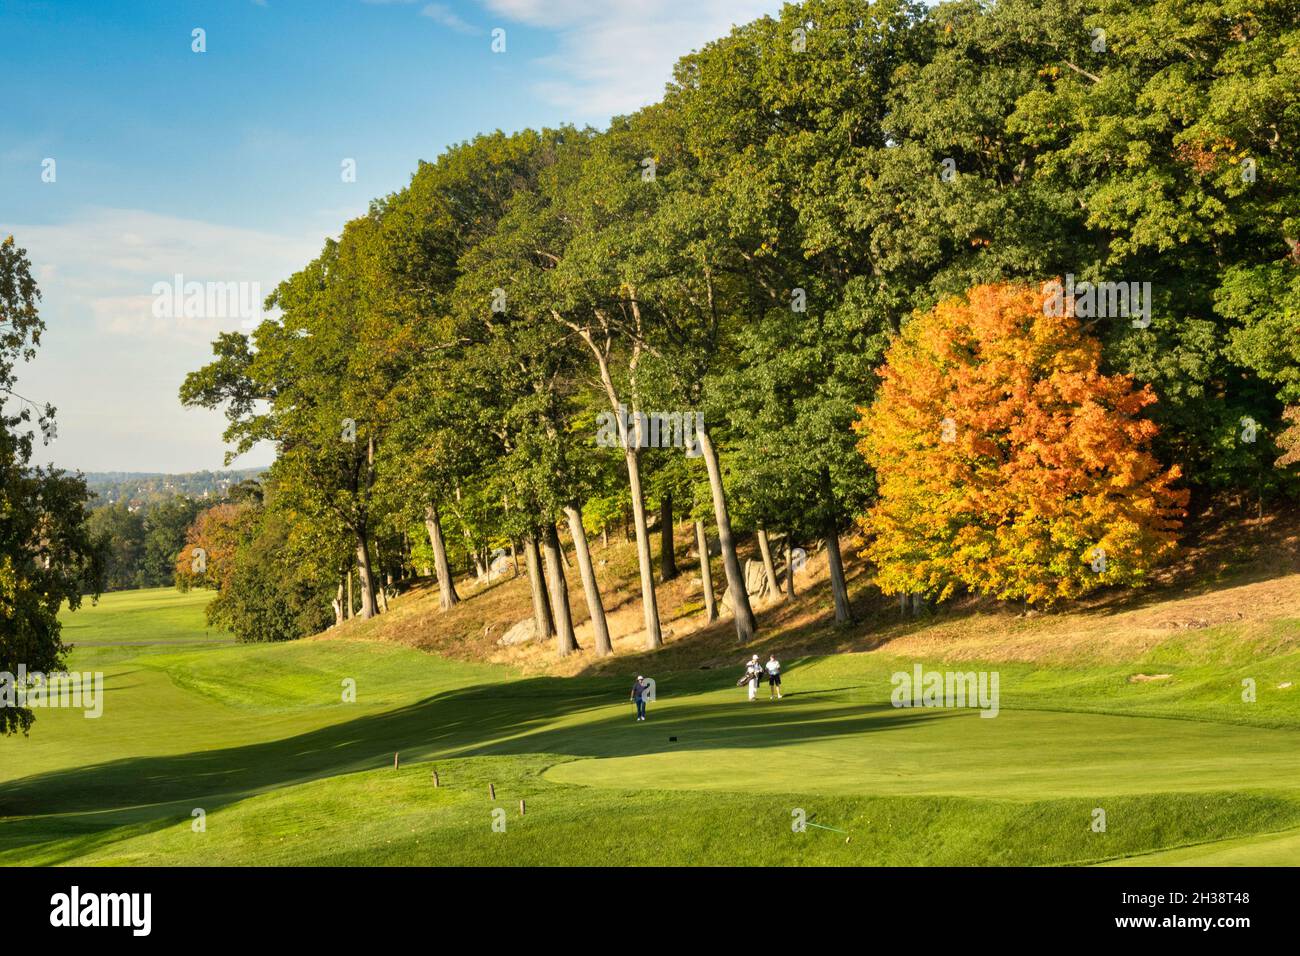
x=773, y=678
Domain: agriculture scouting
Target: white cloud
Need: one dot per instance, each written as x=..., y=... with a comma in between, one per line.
x=616, y=56
x=105, y=362
x=442, y=14
x=103, y=266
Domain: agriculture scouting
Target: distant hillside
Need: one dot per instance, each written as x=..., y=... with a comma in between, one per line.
x=141, y=489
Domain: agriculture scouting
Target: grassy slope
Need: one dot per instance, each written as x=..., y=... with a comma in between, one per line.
x=259, y=738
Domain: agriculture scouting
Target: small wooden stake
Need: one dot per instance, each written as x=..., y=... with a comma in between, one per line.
x=521, y=808
x=435, y=778
x=394, y=761
x=492, y=791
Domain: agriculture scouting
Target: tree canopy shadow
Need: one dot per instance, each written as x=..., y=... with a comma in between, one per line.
x=534, y=715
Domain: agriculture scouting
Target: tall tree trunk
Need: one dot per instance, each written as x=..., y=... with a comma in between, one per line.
x=378, y=578
x=369, y=608
x=789, y=564
x=649, y=603
x=667, y=560
x=843, y=613
x=351, y=608
x=543, y=626
x=447, y=596
x=594, y=605
x=706, y=573
x=604, y=538
x=338, y=603
x=475, y=565
x=565, y=640
x=746, y=626
x=765, y=549
x=514, y=555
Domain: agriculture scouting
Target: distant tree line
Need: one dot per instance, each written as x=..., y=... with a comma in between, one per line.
x=271, y=577
x=143, y=489
x=141, y=544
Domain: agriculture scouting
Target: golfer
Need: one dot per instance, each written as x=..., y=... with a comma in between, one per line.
x=639, y=691
x=755, y=670
x=773, y=678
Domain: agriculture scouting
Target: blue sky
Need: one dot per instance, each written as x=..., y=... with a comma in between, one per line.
x=225, y=166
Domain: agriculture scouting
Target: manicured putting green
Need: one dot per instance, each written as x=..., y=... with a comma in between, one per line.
x=820, y=746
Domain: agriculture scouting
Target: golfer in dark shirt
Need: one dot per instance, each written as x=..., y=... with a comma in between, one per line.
x=639, y=690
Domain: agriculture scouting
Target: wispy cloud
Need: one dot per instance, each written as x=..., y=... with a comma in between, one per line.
x=103, y=266
x=106, y=362
x=442, y=14
x=613, y=56
x=616, y=56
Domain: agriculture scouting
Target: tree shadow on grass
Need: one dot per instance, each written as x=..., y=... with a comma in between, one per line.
x=531, y=716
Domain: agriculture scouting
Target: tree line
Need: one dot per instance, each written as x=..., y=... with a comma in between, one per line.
x=141, y=537
x=786, y=247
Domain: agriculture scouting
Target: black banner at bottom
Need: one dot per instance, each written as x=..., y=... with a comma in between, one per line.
x=646, y=906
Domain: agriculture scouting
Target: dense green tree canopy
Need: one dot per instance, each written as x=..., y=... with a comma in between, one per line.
x=749, y=247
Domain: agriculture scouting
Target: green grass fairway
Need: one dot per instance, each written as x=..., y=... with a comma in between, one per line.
x=260, y=739
x=1269, y=849
x=156, y=615
x=1021, y=755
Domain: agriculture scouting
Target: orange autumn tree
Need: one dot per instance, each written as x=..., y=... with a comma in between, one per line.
x=216, y=534
x=1006, y=462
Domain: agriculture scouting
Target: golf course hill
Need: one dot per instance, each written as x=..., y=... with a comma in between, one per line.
x=1235, y=590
